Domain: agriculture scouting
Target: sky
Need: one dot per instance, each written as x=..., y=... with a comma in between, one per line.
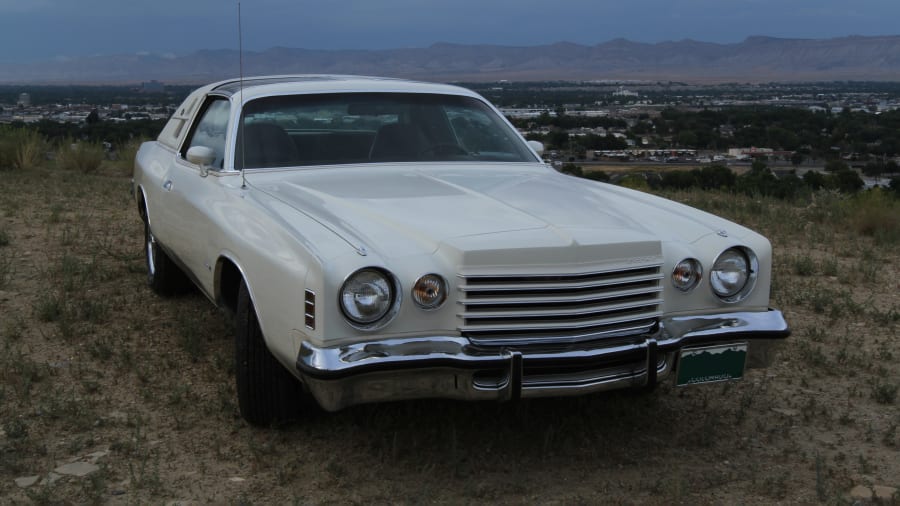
x=42, y=30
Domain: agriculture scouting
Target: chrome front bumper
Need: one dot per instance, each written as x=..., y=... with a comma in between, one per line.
x=451, y=367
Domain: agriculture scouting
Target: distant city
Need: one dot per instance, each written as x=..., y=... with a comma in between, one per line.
x=628, y=100
x=77, y=110
x=586, y=122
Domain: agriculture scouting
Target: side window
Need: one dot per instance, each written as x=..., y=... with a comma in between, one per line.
x=210, y=130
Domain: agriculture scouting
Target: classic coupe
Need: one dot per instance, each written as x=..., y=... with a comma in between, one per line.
x=379, y=239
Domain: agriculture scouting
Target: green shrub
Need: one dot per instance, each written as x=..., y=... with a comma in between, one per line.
x=597, y=175
x=678, y=180
x=759, y=181
x=815, y=180
x=31, y=149
x=21, y=148
x=125, y=154
x=572, y=169
x=836, y=166
x=635, y=182
x=84, y=157
x=876, y=214
x=847, y=181
x=7, y=149
x=715, y=177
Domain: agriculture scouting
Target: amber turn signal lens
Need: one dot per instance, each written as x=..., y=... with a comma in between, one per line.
x=430, y=291
x=687, y=274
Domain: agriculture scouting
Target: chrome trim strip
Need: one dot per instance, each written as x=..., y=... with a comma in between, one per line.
x=559, y=299
x=503, y=339
x=575, y=313
x=641, y=267
x=566, y=325
x=546, y=287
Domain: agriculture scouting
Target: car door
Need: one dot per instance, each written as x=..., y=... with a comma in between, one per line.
x=183, y=221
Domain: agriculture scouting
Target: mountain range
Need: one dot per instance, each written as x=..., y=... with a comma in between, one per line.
x=756, y=59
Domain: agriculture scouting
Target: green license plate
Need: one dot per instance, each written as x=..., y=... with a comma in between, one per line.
x=711, y=364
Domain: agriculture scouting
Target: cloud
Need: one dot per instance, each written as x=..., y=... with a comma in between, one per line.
x=81, y=27
x=18, y=6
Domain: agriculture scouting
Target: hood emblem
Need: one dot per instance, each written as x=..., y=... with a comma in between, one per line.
x=722, y=233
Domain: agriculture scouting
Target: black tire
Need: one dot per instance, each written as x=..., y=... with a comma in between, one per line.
x=267, y=392
x=163, y=276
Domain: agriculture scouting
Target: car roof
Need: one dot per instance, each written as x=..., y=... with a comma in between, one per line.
x=260, y=86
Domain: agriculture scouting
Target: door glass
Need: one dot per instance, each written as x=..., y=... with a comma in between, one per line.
x=210, y=130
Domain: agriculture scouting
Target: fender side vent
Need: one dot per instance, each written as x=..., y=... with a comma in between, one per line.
x=310, y=309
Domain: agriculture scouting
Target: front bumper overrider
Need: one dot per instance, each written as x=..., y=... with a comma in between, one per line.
x=451, y=367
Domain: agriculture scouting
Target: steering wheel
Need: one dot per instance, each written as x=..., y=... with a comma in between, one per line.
x=444, y=148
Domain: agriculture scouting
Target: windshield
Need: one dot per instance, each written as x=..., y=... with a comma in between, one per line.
x=373, y=127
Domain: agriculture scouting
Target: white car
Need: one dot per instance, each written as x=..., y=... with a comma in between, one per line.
x=379, y=239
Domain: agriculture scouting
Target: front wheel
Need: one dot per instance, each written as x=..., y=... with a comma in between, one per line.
x=163, y=276
x=267, y=393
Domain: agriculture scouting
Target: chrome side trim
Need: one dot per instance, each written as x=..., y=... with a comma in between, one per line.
x=452, y=367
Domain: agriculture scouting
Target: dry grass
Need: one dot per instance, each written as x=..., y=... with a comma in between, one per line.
x=877, y=214
x=124, y=156
x=21, y=149
x=91, y=360
x=84, y=157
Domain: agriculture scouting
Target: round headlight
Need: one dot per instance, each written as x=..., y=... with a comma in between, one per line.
x=367, y=296
x=429, y=292
x=687, y=274
x=731, y=274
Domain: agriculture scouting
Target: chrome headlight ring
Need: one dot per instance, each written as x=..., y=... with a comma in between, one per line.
x=734, y=273
x=370, y=298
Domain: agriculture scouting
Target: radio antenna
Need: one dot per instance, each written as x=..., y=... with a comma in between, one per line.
x=241, y=94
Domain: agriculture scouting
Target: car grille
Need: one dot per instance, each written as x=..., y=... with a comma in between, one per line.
x=504, y=310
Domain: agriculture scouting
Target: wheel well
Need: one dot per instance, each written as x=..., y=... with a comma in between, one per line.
x=229, y=282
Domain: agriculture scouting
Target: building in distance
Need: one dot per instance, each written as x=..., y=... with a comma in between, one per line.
x=153, y=86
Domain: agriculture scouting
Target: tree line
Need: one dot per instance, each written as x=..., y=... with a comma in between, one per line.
x=859, y=136
x=760, y=180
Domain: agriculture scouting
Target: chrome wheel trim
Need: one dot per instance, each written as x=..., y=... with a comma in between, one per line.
x=151, y=255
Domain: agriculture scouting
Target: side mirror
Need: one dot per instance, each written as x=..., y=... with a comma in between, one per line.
x=202, y=156
x=538, y=147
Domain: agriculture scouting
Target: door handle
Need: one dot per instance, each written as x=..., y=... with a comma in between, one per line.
x=168, y=185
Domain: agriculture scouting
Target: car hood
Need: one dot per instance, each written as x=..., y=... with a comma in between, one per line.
x=403, y=209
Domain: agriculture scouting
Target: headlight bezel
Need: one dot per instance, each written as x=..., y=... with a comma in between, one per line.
x=752, y=273
x=385, y=316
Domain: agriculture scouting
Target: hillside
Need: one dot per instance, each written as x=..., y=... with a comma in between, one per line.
x=756, y=59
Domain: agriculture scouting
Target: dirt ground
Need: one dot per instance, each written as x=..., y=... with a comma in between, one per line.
x=110, y=394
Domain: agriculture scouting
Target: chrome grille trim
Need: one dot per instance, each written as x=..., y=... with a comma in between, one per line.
x=520, y=309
